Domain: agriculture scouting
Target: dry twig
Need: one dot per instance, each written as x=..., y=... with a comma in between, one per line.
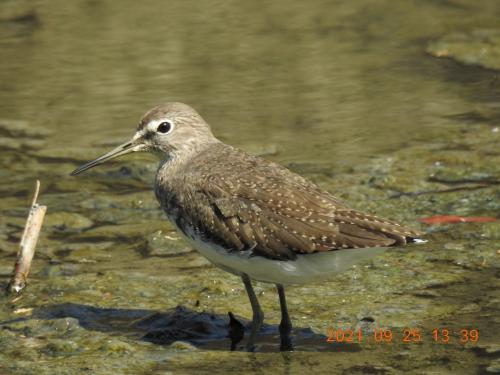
x=27, y=245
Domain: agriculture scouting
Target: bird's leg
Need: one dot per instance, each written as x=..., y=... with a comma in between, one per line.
x=286, y=323
x=258, y=315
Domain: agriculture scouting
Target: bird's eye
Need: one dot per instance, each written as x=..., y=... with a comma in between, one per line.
x=164, y=127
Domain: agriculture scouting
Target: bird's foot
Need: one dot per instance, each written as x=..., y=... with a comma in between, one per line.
x=286, y=344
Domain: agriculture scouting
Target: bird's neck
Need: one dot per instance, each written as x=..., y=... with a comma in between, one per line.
x=172, y=172
x=176, y=160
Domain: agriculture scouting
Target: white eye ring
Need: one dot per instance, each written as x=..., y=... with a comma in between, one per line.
x=162, y=126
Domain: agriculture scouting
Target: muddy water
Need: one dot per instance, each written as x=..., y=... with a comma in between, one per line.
x=341, y=92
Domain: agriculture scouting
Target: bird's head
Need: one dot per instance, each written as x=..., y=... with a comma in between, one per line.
x=164, y=130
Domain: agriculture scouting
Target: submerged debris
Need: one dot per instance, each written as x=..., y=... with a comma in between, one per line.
x=236, y=330
x=452, y=219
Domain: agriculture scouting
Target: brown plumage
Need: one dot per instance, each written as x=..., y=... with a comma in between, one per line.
x=246, y=203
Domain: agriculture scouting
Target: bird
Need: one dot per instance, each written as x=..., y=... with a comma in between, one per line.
x=250, y=216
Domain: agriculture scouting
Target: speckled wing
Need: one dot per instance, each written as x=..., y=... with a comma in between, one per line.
x=280, y=214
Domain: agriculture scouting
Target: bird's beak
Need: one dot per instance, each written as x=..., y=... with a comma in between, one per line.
x=123, y=149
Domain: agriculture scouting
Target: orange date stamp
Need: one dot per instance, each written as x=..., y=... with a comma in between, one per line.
x=405, y=335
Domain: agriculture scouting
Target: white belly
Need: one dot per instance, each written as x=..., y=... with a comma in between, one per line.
x=306, y=268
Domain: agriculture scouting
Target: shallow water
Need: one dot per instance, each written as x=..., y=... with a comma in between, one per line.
x=342, y=92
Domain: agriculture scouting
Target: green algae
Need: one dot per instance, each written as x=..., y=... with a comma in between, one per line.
x=477, y=47
x=66, y=222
